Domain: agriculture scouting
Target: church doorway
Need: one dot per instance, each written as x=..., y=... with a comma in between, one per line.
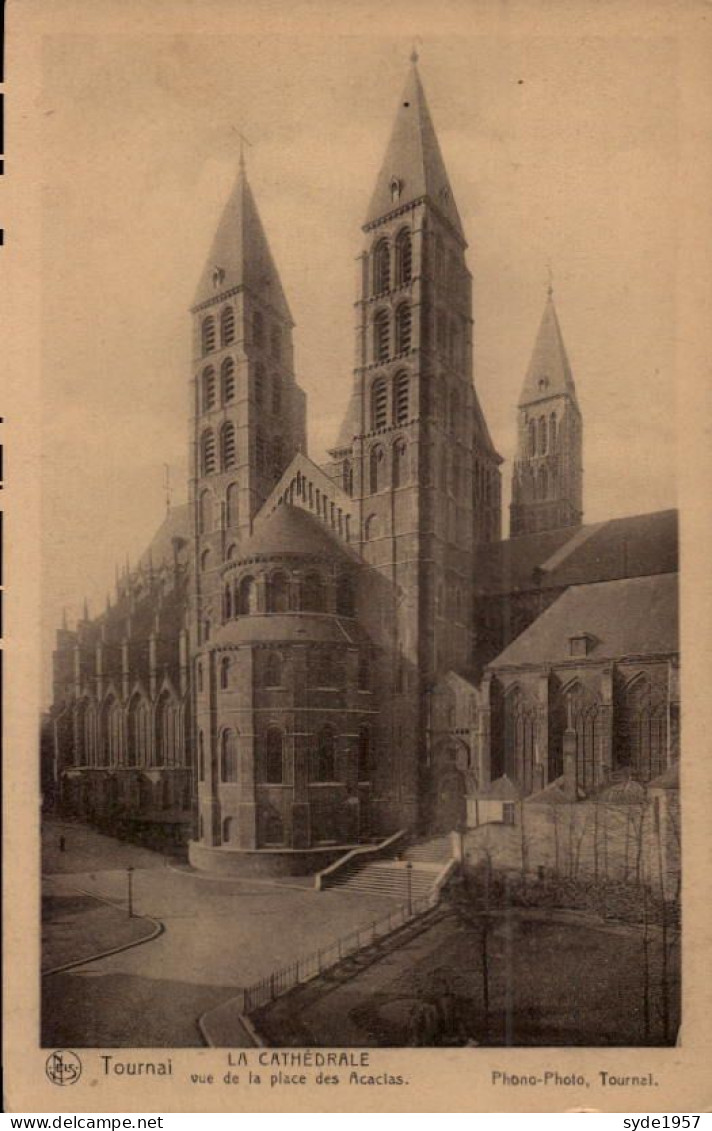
x=450, y=810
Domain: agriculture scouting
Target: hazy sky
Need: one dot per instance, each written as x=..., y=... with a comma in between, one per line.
x=559, y=150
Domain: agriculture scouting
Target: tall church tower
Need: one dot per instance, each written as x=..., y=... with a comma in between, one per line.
x=547, y=480
x=414, y=448
x=248, y=413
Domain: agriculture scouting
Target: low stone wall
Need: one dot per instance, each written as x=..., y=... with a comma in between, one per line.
x=263, y=861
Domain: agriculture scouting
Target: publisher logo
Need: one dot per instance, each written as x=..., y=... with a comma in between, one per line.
x=63, y=1067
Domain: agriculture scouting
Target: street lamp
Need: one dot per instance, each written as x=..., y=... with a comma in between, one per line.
x=129, y=877
x=409, y=879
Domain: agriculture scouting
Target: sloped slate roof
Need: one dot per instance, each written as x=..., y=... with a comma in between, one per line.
x=413, y=157
x=634, y=616
x=634, y=546
x=176, y=524
x=291, y=530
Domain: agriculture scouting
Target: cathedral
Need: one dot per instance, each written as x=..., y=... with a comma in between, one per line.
x=309, y=657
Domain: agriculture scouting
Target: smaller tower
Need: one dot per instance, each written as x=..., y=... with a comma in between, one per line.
x=547, y=480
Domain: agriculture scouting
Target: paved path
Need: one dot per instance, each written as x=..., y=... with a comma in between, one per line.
x=218, y=937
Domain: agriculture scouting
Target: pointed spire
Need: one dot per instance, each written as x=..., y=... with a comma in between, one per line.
x=549, y=373
x=240, y=255
x=413, y=165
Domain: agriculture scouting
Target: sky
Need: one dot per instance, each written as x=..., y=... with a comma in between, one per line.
x=561, y=151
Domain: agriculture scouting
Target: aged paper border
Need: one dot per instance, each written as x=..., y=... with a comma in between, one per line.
x=439, y=1080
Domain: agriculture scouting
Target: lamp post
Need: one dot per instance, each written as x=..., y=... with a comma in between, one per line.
x=129, y=877
x=409, y=887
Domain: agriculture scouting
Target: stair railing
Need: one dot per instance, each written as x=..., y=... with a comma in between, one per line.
x=366, y=852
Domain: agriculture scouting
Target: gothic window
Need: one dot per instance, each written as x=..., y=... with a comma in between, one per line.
x=364, y=754
x=259, y=384
x=401, y=408
x=381, y=267
x=519, y=739
x=552, y=432
x=379, y=404
x=370, y=529
x=227, y=446
x=272, y=762
x=376, y=462
x=276, y=343
x=400, y=463
x=138, y=732
x=532, y=438
x=273, y=670
x=208, y=334
x=258, y=328
x=542, y=436
x=403, y=328
x=208, y=389
x=232, y=496
x=582, y=716
x=313, y=597
x=228, y=756
x=325, y=761
x=345, y=597
x=641, y=731
x=207, y=451
x=278, y=593
x=166, y=727
x=227, y=326
x=205, y=515
x=404, y=258
x=224, y=673
x=227, y=380
x=347, y=477
x=381, y=335
x=247, y=597
x=276, y=394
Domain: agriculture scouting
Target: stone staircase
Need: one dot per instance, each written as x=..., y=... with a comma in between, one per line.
x=425, y=861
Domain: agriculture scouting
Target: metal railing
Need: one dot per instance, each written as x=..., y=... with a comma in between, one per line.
x=310, y=966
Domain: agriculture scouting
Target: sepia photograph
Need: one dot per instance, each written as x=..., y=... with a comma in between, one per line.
x=360, y=710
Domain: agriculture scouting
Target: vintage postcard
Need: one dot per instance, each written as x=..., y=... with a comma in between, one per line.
x=357, y=588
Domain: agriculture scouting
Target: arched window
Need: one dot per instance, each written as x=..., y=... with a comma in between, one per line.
x=381, y=336
x=532, y=438
x=205, y=560
x=224, y=673
x=205, y=509
x=381, y=267
x=138, y=732
x=276, y=394
x=519, y=739
x=231, y=552
x=542, y=435
x=247, y=596
x=641, y=731
x=278, y=593
x=379, y=404
x=166, y=731
x=313, y=598
x=370, y=528
x=275, y=340
x=345, y=596
x=227, y=830
x=347, y=477
x=403, y=328
x=376, y=463
x=272, y=762
x=207, y=452
x=364, y=754
x=227, y=326
x=581, y=714
x=404, y=258
x=400, y=463
x=401, y=391
x=228, y=453
x=258, y=328
x=259, y=384
x=228, y=756
x=208, y=388
x=325, y=761
x=227, y=380
x=208, y=334
x=232, y=506
x=552, y=432
x=273, y=670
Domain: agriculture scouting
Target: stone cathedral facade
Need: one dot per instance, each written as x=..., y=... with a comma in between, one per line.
x=309, y=657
